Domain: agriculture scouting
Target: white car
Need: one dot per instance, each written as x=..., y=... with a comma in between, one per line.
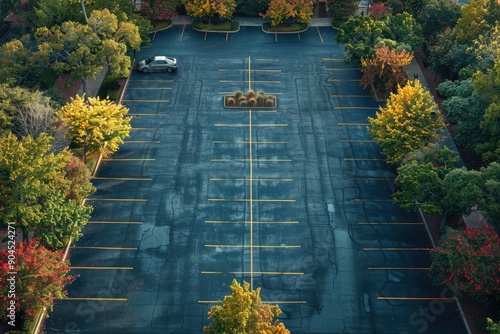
x=158, y=64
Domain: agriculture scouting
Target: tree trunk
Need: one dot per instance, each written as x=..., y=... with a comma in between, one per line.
x=85, y=89
x=82, y=2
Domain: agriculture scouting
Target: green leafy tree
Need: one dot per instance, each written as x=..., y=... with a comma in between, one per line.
x=477, y=17
x=244, y=313
x=30, y=175
x=359, y=34
x=493, y=327
x=384, y=71
x=486, y=48
x=79, y=175
x=440, y=157
x=341, y=10
x=405, y=30
x=437, y=16
x=468, y=261
x=102, y=121
x=464, y=106
x=48, y=13
x=251, y=7
x=408, y=122
x=490, y=206
x=40, y=279
x=487, y=85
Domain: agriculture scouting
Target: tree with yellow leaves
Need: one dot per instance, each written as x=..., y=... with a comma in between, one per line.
x=244, y=313
x=281, y=10
x=409, y=122
x=208, y=8
x=99, y=123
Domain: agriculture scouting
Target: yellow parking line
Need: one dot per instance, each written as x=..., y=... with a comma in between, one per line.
x=319, y=34
x=371, y=200
x=116, y=199
x=129, y=159
x=106, y=248
x=254, y=160
x=414, y=298
x=397, y=268
x=249, y=246
x=113, y=222
x=265, y=302
x=101, y=268
x=397, y=249
x=352, y=124
x=255, y=272
x=149, y=88
x=334, y=59
x=254, y=179
x=246, y=222
x=121, y=178
x=141, y=141
x=247, y=142
x=251, y=200
x=142, y=101
x=343, y=69
x=364, y=159
x=92, y=299
x=246, y=125
x=343, y=80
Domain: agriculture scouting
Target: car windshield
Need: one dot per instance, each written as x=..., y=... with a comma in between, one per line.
x=148, y=61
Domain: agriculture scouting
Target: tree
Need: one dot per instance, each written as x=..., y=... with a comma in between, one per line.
x=437, y=16
x=35, y=118
x=384, y=71
x=441, y=158
x=490, y=206
x=464, y=106
x=48, y=13
x=487, y=85
x=79, y=175
x=477, y=17
x=40, y=279
x=486, y=48
x=405, y=30
x=30, y=175
x=159, y=10
x=279, y=11
x=341, y=10
x=379, y=10
x=468, y=261
x=359, y=35
x=493, y=327
x=408, y=122
x=208, y=8
x=244, y=313
x=102, y=121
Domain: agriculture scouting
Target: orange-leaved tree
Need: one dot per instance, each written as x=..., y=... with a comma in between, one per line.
x=384, y=71
x=244, y=313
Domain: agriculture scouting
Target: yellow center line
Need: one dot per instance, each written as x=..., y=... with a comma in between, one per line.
x=251, y=200
x=246, y=222
x=106, y=248
x=93, y=299
x=249, y=246
x=397, y=249
x=113, y=222
x=102, y=268
x=121, y=178
x=255, y=272
x=397, y=268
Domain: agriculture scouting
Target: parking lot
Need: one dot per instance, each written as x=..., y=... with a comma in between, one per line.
x=295, y=199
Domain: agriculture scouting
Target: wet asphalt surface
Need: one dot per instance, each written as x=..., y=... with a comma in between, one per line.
x=295, y=200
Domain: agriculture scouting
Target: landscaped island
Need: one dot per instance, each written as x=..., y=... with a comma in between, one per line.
x=250, y=99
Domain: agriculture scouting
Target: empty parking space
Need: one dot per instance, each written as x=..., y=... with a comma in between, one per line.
x=294, y=199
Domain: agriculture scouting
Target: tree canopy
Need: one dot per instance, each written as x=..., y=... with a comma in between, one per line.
x=243, y=312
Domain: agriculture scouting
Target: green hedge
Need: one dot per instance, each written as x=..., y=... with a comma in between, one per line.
x=216, y=25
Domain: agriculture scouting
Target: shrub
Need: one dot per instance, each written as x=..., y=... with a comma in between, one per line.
x=238, y=94
x=243, y=103
x=261, y=99
x=270, y=102
x=252, y=102
x=250, y=94
x=230, y=102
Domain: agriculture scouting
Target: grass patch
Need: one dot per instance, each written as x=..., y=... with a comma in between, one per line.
x=216, y=25
x=157, y=25
x=285, y=27
x=110, y=87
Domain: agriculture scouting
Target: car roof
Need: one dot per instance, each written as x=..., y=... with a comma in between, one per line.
x=161, y=57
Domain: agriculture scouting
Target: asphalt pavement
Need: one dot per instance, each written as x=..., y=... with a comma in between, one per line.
x=295, y=199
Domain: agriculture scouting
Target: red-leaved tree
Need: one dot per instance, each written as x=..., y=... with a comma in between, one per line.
x=159, y=10
x=469, y=261
x=39, y=279
x=378, y=10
